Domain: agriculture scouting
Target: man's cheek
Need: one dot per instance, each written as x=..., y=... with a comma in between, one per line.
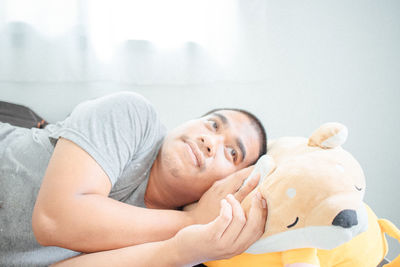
x=223, y=170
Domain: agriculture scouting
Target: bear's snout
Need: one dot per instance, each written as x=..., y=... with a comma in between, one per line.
x=345, y=219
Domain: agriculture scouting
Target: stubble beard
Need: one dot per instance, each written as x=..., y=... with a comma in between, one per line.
x=170, y=164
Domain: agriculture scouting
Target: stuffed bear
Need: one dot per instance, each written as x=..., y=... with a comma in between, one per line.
x=316, y=216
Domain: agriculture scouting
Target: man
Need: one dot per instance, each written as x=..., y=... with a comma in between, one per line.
x=109, y=153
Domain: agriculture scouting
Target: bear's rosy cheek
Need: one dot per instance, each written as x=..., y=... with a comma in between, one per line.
x=291, y=192
x=340, y=168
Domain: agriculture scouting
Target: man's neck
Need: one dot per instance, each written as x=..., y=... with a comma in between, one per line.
x=158, y=194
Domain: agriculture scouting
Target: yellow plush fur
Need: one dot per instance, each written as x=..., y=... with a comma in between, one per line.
x=365, y=250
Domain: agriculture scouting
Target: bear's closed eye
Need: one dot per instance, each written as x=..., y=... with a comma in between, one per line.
x=293, y=224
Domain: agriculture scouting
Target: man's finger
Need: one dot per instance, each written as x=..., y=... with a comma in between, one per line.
x=234, y=181
x=238, y=221
x=247, y=188
x=255, y=224
x=222, y=222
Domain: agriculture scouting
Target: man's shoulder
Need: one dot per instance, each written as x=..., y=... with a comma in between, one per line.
x=124, y=103
x=127, y=97
x=140, y=112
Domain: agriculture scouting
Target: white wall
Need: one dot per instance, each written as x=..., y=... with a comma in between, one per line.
x=305, y=63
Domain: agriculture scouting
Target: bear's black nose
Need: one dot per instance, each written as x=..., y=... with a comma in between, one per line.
x=346, y=219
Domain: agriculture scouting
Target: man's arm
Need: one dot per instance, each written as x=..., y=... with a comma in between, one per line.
x=228, y=235
x=73, y=209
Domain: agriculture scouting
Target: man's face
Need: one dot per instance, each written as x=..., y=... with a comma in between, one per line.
x=204, y=150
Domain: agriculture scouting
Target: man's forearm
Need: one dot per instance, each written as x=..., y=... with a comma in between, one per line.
x=226, y=236
x=161, y=253
x=90, y=223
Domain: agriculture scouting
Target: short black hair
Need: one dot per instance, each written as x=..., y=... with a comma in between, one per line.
x=262, y=134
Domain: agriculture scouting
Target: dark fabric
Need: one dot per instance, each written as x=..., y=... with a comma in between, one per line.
x=384, y=261
x=19, y=115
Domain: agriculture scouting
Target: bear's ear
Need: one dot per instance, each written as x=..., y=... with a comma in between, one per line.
x=264, y=166
x=329, y=135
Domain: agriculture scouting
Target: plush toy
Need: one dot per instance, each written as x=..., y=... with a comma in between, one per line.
x=316, y=217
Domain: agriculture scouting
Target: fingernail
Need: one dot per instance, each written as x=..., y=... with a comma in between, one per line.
x=264, y=203
x=258, y=195
x=230, y=196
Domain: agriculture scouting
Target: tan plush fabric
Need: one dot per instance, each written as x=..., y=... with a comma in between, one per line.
x=314, y=191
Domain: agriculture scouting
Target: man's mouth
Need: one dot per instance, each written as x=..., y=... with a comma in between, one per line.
x=195, y=152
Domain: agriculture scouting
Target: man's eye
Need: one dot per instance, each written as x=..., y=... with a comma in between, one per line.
x=214, y=124
x=233, y=153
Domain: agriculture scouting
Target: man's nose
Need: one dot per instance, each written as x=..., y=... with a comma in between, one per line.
x=209, y=144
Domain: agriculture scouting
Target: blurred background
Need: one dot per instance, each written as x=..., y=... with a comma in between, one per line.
x=296, y=64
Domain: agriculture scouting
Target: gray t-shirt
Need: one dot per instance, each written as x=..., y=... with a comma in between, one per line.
x=122, y=132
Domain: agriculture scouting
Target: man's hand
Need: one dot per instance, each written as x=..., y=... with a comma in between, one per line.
x=228, y=235
x=207, y=208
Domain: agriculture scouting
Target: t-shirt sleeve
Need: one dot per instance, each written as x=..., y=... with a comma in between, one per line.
x=111, y=129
